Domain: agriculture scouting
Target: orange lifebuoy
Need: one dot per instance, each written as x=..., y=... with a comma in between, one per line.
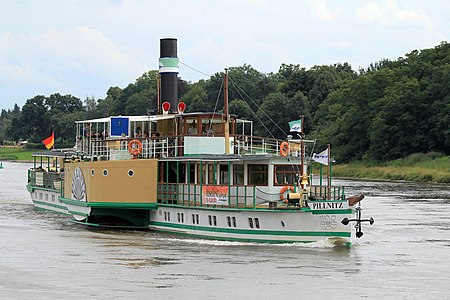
x=135, y=147
x=283, y=190
x=284, y=149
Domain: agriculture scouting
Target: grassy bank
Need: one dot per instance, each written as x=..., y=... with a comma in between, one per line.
x=430, y=167
x=13, y=153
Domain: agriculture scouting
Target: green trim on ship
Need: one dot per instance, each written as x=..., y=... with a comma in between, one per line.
x=253, y=231
x=114, y=205
x=50, y=204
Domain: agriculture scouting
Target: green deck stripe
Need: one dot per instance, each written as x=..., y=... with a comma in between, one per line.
x=278, y=210
x=110, y=204
x=332, y=211
x=49, y=204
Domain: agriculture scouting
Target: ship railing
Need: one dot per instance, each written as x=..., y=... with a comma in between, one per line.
x=117, y=149
x=48, y=180
x=318, y=192
x=171, y=146
x=219, y=196
x=252, y=145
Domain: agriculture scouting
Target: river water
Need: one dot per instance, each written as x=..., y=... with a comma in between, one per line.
x=404, y=255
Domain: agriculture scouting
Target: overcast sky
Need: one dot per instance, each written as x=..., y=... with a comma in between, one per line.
x=84, y=47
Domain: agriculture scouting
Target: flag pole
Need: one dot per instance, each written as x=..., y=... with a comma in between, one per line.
x=329, y=172
x=302, y=154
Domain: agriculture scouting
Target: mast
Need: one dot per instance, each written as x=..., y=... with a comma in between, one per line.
x=225, y=111
x=303, y=171
x=329, y=171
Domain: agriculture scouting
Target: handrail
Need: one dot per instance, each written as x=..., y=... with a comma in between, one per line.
x=171, y=146
x=192, y=195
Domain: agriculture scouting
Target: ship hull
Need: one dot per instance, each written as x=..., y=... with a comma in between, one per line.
x=257, y=225
x=47, y=200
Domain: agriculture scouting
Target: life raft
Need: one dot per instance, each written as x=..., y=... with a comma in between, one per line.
x=135, y=147
x=283, y=190
x=284, y=149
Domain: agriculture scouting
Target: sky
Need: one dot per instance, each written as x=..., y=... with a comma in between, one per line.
x=84, y=47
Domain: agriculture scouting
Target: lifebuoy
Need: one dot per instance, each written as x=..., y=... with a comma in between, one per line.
x=284, y=149
x=135, y=147
x=283, y=190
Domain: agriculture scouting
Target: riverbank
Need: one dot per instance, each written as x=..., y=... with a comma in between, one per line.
x=16, y=154
x=431, y=167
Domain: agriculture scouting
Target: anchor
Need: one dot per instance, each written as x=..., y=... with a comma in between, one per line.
x=358, y=221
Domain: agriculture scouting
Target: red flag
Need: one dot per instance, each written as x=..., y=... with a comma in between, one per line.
x=50, y=141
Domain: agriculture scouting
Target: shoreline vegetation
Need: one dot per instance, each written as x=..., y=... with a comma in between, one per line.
x=19, y=154
x=419, y=167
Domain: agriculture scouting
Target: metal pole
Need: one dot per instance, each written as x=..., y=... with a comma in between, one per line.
x=225, y=110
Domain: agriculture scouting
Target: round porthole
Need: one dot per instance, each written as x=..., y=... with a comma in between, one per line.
x=130, y=173
x=92, y=172
x=282, y=224
x=105, y=172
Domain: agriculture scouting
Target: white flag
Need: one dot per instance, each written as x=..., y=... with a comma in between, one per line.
x=296, y=126
x=322, y=157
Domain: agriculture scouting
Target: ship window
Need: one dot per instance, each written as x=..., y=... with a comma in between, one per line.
x=191, y=174
x=92, y=172
x=250, y=222
x=105, y=172
x=286, y=174
x=53, y=198
x=256, y=222
x=182, y=217
x=196, y=217
x=46, y=197
x=210, y=220
x=229, y=221
x=165, y=216
x=258, y=174
x=238, y=174
x=40, y=196
x=223, y=174
x=234, y=221
x=193, y=219
x=211, y=176
x=201, y=174
x=168, y=216
x=215, y=220
x=178, y=217
x=130, y=173
x=282, y=224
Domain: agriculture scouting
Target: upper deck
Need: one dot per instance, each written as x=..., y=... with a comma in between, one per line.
x=174, y=135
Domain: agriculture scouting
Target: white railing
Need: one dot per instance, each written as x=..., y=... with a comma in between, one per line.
x=117, y=149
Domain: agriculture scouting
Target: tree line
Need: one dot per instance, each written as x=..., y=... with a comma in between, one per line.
x=386, y=111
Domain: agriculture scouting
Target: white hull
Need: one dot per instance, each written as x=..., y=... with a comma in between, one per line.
x=48, y=200
x=272, y=226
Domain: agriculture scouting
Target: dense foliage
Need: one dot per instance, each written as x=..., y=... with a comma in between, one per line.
x=387, y=111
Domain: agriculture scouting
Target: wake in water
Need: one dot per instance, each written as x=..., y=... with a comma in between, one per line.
x=323, y=244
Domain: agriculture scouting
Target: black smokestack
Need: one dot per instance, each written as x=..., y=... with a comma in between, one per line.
x=168, y=69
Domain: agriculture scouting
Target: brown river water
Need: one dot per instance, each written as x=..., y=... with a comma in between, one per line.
x=404, y=255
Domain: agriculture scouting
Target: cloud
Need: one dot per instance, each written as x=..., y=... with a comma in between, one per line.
x=322, y=12
x=66, y=60
x=390, y=13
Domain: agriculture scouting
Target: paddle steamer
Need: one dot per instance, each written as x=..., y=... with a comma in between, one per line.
x=202, y=174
